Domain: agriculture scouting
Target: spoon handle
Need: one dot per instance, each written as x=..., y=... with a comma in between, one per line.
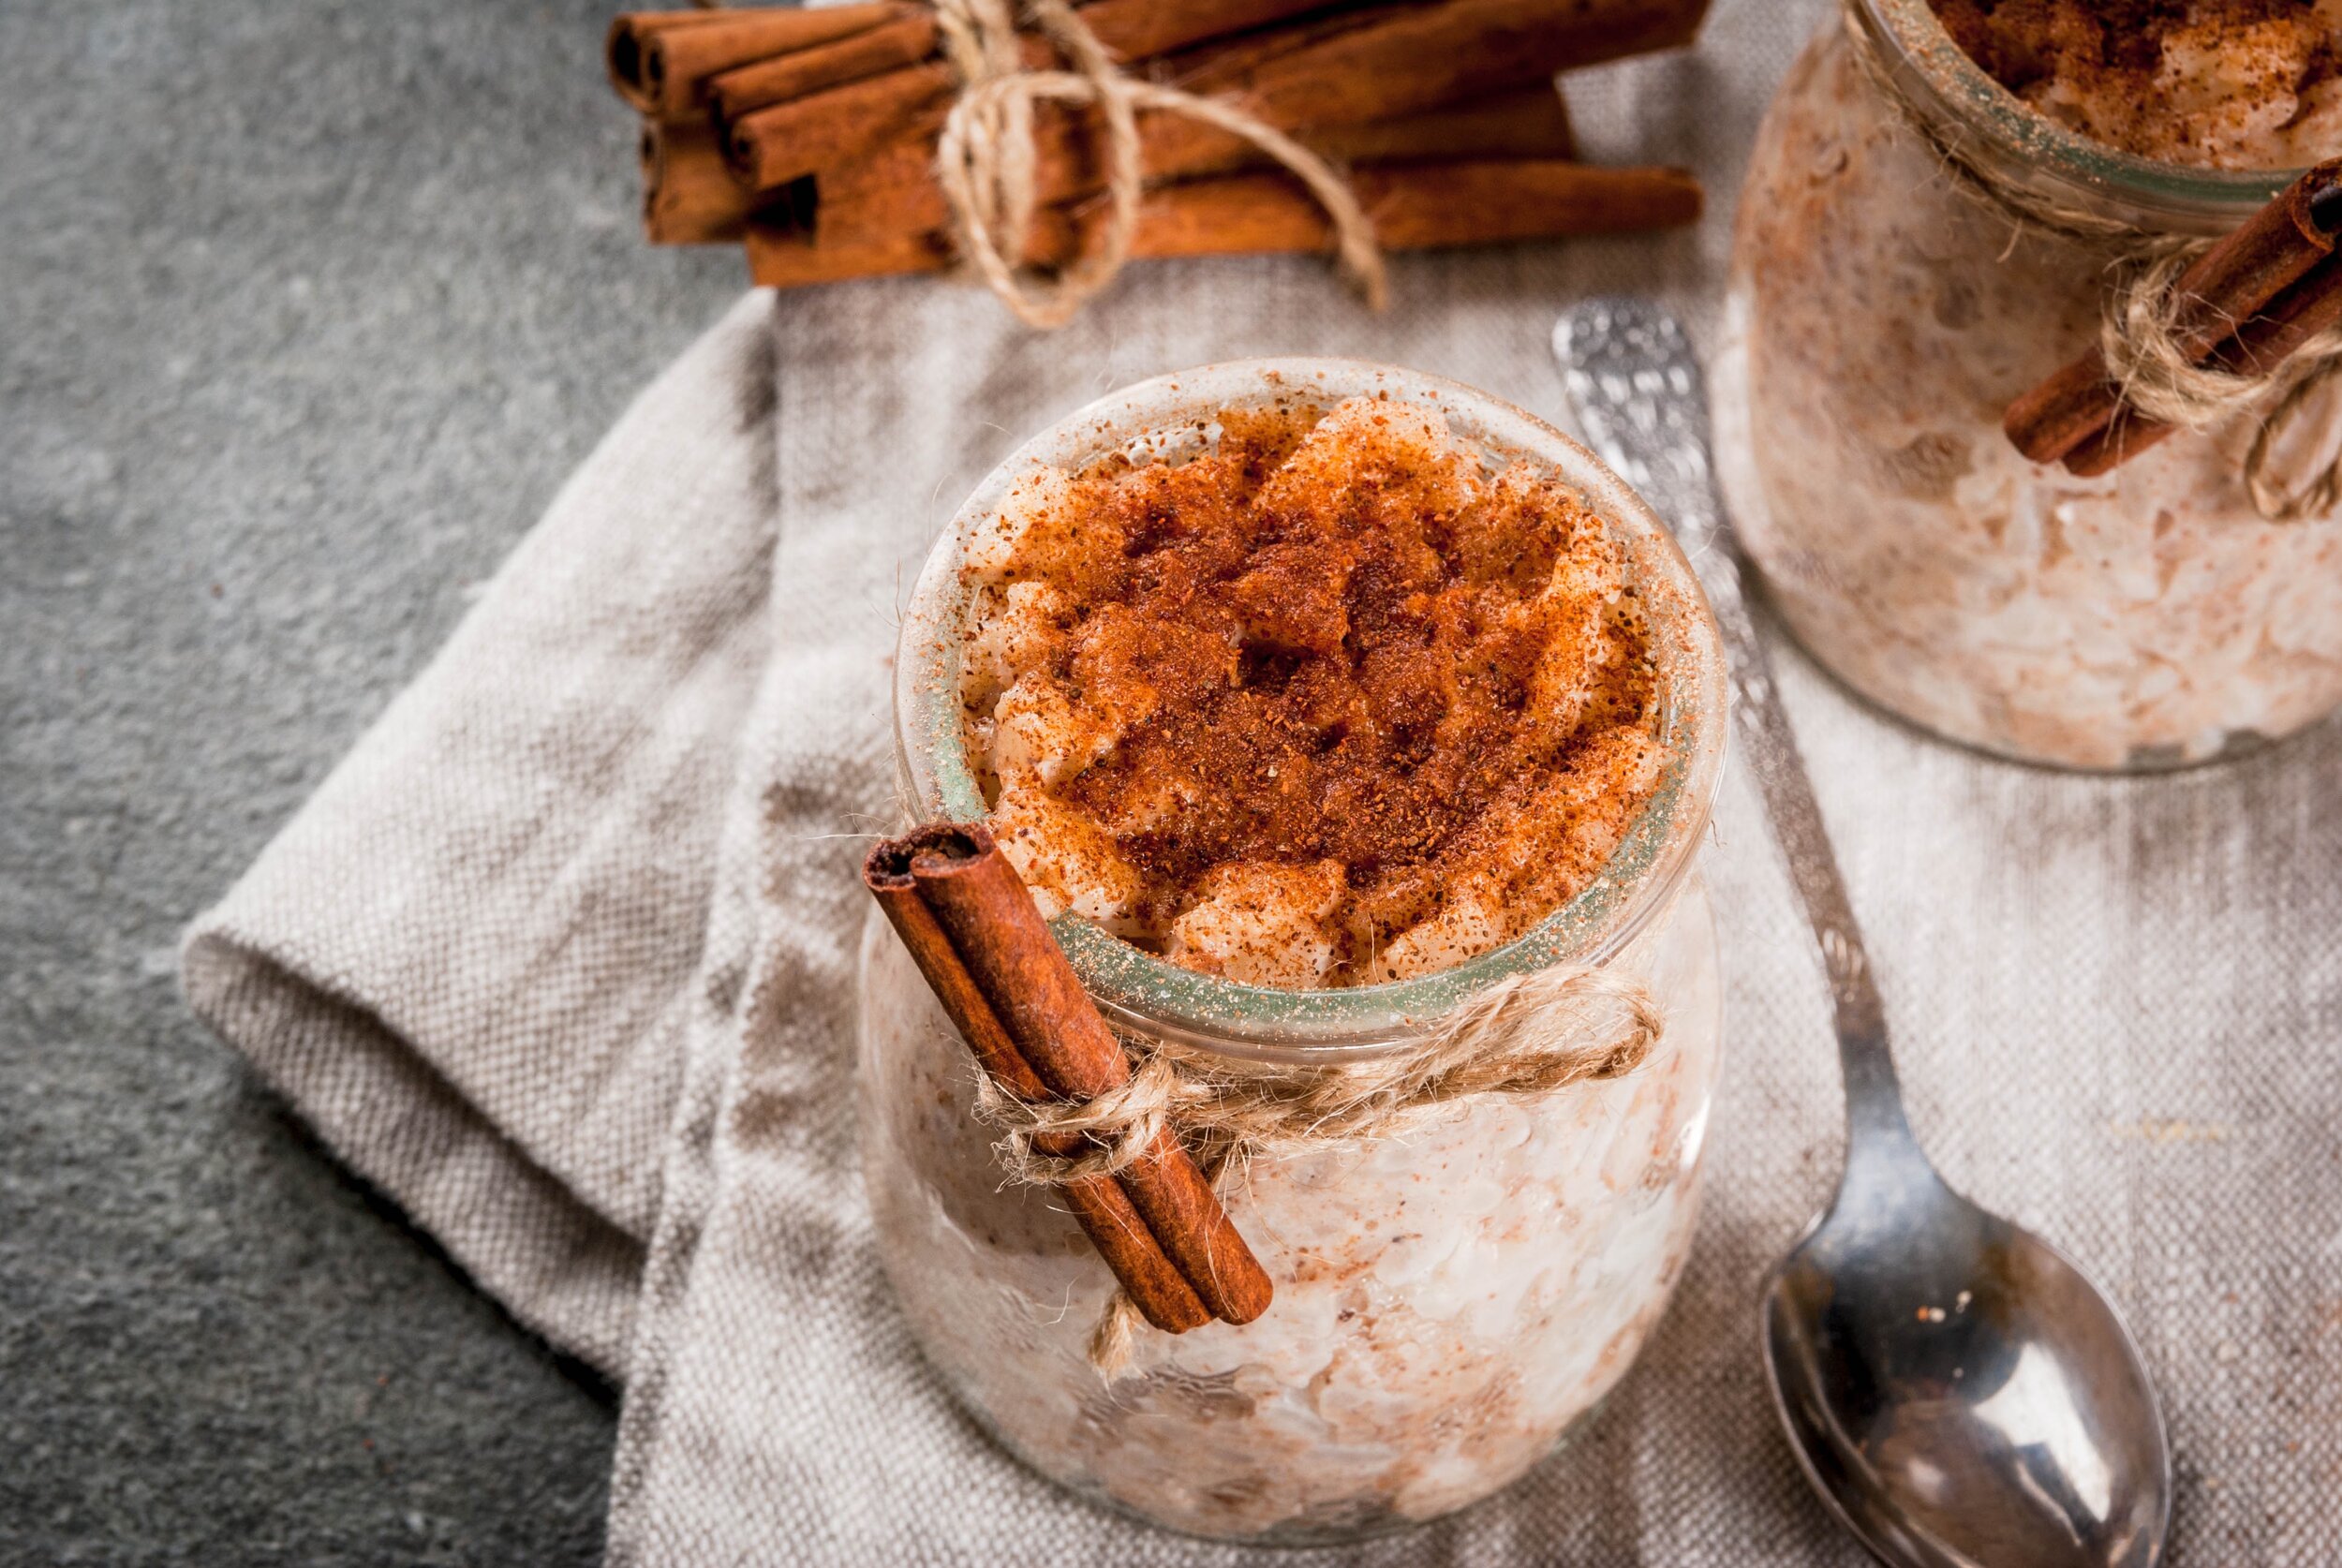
x=1639, y=393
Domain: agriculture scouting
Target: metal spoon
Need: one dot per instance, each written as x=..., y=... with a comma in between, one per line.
x=1955, y=1389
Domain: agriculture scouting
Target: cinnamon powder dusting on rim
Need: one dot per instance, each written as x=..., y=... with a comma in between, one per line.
x=1328, y=702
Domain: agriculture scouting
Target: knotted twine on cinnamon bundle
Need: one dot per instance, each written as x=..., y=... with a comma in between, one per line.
x=986, y=160
x=1526, y=1035
x=2144, y=328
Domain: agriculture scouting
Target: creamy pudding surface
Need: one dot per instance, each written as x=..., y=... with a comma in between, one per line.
x=1326, y=704
x=2220, y=83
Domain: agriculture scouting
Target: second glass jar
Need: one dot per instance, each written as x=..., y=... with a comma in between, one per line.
x=1881, y=315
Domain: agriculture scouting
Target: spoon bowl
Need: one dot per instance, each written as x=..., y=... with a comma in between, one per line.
x=1957, y=1393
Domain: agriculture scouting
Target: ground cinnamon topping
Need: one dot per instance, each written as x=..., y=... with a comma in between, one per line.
x=2231, y=83
x=1324, y=705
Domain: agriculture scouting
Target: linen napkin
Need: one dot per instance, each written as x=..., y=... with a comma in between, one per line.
x=563, y=956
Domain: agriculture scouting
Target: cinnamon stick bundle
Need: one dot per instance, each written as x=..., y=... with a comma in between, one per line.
x=972, y=929
x=2239, y=305
x=1444, y=107
x=1355, y=66
x=1415, y=206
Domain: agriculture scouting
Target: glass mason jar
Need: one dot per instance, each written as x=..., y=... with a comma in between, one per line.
x=1451, y=1302
x=1881, y=315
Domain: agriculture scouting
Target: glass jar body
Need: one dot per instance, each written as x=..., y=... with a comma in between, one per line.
x=1879, y=319
x=1450, y=1303
x=1451, y=1295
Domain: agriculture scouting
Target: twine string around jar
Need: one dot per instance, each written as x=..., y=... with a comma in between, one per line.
x=987, y=165
x=2138, y=337
x=2137, y=327
x=1525, y=1035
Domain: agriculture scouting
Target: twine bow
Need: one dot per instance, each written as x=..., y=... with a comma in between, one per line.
x=1530, y=1034
x=987, y=164
x=2138, y=336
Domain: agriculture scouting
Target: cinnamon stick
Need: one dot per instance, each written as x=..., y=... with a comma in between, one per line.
x=2301, y=312
x=1415, y=56
x=773, y=146
x=2309, y=307
x=1132, y=29
x=2069, y=413
x=784, y=256
x=1355, y=66
x=743, y=90
x=1419, y=206
x=625, y=47
x=1425, y=206
x=1527, y=123
x=689, y=197
x=1101, y=1206
x=660, y=61
x=973, y=928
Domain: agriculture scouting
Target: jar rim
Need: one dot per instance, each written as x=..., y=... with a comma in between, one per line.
x=1985, y=122
x=1171, y=414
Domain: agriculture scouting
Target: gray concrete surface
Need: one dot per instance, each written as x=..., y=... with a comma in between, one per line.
x=306, y=308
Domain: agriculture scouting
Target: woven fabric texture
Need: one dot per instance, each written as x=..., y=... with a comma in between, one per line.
x=563, y=956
